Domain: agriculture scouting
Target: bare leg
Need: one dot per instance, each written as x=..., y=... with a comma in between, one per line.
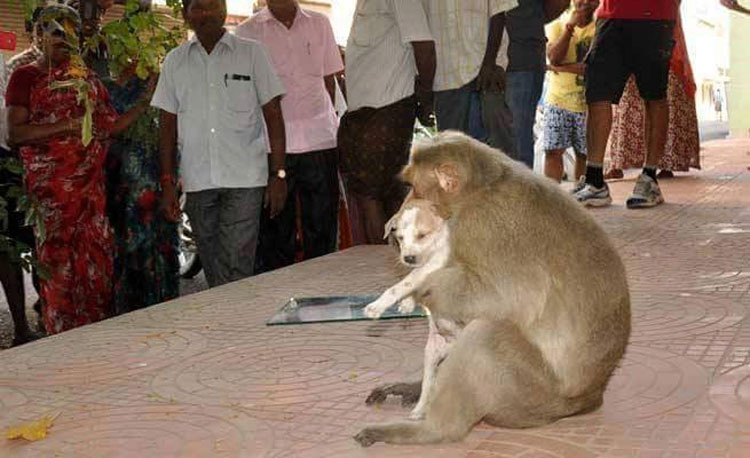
x=580, y=166
x=11, y=276
x=597, y=130
x=657, y=114
x=553, y=164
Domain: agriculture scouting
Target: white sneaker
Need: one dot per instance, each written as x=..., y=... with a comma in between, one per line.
x=589, y=196
x=580, y=184
x=645, y=194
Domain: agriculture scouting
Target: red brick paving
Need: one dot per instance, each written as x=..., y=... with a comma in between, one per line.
x=204, y=376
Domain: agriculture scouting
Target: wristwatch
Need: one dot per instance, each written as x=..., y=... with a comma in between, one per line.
x=279, y=173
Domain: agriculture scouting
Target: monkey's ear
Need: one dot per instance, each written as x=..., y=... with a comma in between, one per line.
x=447, y=176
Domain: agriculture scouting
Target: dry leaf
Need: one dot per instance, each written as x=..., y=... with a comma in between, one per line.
x=32, y=431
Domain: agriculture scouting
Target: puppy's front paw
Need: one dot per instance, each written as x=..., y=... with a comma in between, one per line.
x=407, y=305
x=375, y=309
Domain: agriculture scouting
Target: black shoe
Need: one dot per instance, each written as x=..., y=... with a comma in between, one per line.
x=26, y=338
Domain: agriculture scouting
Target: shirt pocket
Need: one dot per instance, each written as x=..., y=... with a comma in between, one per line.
x=241, y=96
x=311, y=58
x=371, y=22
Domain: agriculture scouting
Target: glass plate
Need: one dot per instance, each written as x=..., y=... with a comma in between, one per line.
x=300, y=310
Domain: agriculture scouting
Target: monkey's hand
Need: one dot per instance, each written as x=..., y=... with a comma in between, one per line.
x=376, y=308
x=409, y=393
x=407, y=305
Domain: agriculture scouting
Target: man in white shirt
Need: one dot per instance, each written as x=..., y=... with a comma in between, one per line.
x=214, y=93
x=306, y=58
x=390, y=67
x=469, y=85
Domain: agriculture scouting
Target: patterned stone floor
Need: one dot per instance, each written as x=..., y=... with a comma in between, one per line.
x=204, y=376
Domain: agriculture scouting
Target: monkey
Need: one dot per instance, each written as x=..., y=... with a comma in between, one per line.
x=537, y=289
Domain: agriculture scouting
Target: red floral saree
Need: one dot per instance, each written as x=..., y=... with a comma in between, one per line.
x=67, y=180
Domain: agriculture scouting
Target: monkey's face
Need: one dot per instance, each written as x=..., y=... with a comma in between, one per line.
x=415, y=229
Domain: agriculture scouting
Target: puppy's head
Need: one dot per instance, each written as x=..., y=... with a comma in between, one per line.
x=415, y=230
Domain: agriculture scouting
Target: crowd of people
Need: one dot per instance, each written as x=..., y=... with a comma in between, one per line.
x=248, y=130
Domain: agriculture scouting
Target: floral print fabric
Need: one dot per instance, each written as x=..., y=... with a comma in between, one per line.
x=67, y=181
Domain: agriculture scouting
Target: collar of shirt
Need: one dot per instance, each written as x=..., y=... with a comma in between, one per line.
x=227, y=39
x=265, y=15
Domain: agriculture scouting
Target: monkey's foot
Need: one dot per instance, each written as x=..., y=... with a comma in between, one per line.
x=369, y=436
x=409, y=393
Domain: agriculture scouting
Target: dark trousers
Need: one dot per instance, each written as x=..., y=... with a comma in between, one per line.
x=225, y=225
x=312, y=181
x=484, y=115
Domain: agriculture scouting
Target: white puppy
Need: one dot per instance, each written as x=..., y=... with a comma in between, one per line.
x=423, y=238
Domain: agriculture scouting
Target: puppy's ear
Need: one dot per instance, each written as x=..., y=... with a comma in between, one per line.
x=390, y=225
x=447, y=176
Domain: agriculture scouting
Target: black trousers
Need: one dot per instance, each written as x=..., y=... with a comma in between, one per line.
x=312, y=181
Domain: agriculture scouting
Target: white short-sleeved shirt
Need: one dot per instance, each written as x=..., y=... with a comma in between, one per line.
x=460, y=29
x=218, y=99
x=302, y=56
x=380, y=65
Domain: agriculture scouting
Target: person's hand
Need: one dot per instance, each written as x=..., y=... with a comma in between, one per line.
x=425, y=108
x=491, y=78
x=72, y=126
x=150, y=88
x=144, y=101
x=579, y=18
x=169, y=201
x=425, y=103
x=275, y=197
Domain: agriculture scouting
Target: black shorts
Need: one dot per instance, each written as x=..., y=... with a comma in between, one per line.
x=624, y=47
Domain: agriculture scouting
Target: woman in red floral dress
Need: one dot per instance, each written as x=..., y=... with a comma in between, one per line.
x=63, y=176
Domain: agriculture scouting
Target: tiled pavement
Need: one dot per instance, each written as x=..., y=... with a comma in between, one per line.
x=204, y=376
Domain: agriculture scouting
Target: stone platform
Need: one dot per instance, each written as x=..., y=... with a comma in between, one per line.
x=204, y=376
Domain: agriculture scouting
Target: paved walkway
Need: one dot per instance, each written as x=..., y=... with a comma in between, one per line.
x=204, y=376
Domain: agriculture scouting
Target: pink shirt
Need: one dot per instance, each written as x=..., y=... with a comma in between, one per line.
x=301, y=56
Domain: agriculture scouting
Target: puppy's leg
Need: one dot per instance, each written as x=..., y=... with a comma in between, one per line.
x=407, y=305
x=434, y=352
x=398, y=291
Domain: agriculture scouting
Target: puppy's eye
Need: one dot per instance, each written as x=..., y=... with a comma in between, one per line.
x=420, y=236
x=399, y=237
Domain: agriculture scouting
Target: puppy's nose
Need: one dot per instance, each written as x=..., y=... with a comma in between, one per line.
x=411, y=259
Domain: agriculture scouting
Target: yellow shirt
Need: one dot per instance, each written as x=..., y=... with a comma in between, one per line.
x=566, y=90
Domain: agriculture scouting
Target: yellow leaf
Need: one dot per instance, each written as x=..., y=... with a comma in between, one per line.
x=32, y=431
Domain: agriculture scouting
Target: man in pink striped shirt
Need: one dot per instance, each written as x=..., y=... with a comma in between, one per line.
x=306, y=58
